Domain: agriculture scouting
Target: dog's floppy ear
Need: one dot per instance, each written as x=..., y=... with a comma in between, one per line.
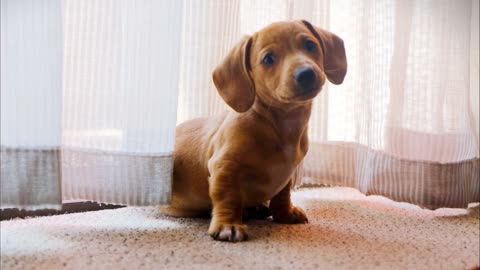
x=334, y=57
x=232, y=78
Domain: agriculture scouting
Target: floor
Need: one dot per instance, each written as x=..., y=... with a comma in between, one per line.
x=347, y=230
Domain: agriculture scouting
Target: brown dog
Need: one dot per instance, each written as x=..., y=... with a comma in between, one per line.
x=246, y=157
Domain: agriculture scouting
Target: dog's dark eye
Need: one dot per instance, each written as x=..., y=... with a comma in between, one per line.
x=310, y=46
x=269, y=59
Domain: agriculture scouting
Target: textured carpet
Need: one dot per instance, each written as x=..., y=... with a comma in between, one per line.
x=347, y=230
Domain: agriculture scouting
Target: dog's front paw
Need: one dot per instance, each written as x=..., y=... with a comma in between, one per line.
x=228, y=232
x=292, y=216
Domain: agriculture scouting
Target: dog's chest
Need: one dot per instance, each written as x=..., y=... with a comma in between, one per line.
x=272, y=173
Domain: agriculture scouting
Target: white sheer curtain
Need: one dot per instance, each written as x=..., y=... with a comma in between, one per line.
x=404, y=124
x=31, y=103
x=89, y=94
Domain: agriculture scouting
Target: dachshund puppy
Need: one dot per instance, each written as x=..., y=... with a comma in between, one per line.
x=246, y=157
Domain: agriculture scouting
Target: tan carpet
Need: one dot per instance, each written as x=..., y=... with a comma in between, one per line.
x=346, y=231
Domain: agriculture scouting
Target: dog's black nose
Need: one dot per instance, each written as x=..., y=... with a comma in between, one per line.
x=305, y=77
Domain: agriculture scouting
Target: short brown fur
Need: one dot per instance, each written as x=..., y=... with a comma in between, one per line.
x=246, y=157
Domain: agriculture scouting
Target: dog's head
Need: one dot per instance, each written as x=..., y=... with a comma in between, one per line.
x=284, y=64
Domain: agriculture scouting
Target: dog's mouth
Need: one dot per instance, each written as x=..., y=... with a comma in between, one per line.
x=296, y=94
x=306, y=81
x=309, y=94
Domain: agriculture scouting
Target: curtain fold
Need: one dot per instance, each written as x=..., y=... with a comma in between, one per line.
x=401, y=124
x=31, y=103
x=210, y=29
x=428, y=184
x=121, y=64
x=89, y=101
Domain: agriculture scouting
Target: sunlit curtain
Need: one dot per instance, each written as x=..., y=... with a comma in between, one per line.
x=91, y=92
x=404, y=124
x=31, y=103
x=88, y=101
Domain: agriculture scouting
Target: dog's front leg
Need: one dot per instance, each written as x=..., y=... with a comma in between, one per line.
x=283, y=210
x=226, y=224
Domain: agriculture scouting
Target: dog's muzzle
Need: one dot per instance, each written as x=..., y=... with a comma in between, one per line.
x=306, y=80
